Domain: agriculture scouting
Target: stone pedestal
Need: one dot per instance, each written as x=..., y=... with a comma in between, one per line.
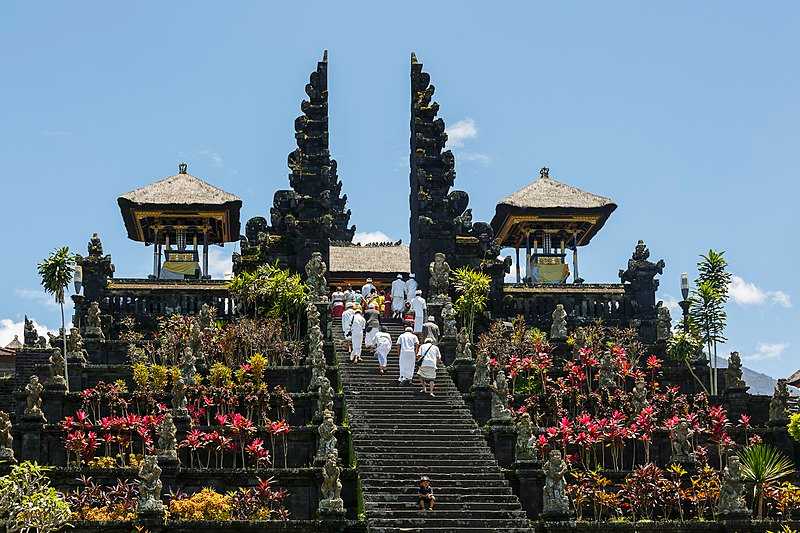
x=53, y=402
x=736, y=402
x=447, y=347
x=462, y=372
x=528, y=486
x=778, y=436
x=481, y=404
x=502, y=437
x=30, y=438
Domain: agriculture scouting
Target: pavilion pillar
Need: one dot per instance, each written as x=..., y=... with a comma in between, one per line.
x=528, y=255
x=575, y=275
x=155, y=255
x=205, y=253
x=519, y=279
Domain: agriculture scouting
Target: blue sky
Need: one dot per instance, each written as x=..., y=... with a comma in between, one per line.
x=685, y=113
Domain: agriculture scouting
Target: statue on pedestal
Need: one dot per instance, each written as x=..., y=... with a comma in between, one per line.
x=639, y=396
x=95, y=246
x=206, y=317
x=331, y=497
x=733, y=374
x=150, y=487
x=680, y=443
x=315, y=277
x=448, y=320
x=327, y=437
x=524, y=450
x=641, y=274
x=187, y=365
x=731, y=498
x=481, y=378
x=33, y=401
x=30, y=336
x=606, y=375
x=57, y=369
x=167, y=446
x=463, y=346
x=94, y=326
x=179, y=398
x=325, y=401
x=555, y=501
x=663, y=324
x=6, y=439
x=500, y=411
x=558, y=331
x=439, y=281
x=779, y=403
x=75, y=348
x=315, y=348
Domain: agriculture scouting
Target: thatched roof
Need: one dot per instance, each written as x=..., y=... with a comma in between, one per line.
x=14, y=344
x=794, y=379
x=547, y=193
x=181, y=189
x=388, y=259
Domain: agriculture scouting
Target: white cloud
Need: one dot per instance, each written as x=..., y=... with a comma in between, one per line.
x=460, y=132
x=220, y=263
x=215, y=157
x=38, y=296
x=367, y=237
x=671, y=303
x=473, y=156
x=768, y=350
x=745, y=293
x=9, y=328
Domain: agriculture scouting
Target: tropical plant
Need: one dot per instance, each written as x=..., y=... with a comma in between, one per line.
x=763, y=465
x=28, y=503
x=56, y=271
x=794, y=426
x=707, y=305
x=684, y=346
x=472, y=288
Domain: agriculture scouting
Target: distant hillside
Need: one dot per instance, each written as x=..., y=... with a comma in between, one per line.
x=759, y=383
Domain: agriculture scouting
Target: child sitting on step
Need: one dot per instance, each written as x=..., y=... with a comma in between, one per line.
x=425, y=494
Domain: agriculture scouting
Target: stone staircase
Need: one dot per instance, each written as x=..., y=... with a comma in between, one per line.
x=399, y=434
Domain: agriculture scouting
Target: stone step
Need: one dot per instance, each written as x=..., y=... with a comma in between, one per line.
x=443, y=504
x=499, y=494
x=428, y=453
x=428, y=520
x=438, y=478
x=428, y=463
x=454, y=514
x=427, y=529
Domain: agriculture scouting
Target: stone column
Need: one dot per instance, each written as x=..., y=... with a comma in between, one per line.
x=155, y=255
x=205, y=254
x=528, y=486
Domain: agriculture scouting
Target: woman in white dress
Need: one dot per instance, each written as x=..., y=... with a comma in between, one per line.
x=383, y=345
x=357, y=335
x=408, y=349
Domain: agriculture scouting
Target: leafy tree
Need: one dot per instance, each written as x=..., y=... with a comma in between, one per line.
x=763, y=465
x=56, y=272
x=472, y=288
x=28, y=503
x=707, y=305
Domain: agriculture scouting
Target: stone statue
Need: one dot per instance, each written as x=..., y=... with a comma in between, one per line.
x=29, y=335
x=75, y=349
x=325, y=401
x=524, y=450
x=641, y=275
x=206, y=317
x=41, y=343
x=779, y=404
x=733, y=374
x=315, y=348
x=439, y=281
x=187, y=365
x=448, y=320
x=179, y=397
x=150, y=486
x=6, y=439
x=481, y=378
x=315, y=277
x=33, y=401
x=167, y=446
x=95, y=247
x=195, y=336
x=639, y=396
x=327, y=437
x=731, y=498
x=681, y=446
x=331, y=497
x=56, y=341
x=463, y=346
x=57, y=369
x=663, y=324
x=558, y=331
x=555, y=501
x=500, y=398
x=606, y=375
x=94, y=326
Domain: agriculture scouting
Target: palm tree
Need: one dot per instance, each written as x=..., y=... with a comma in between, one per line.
x=708, y=305
x=472, y=288
x=762, y=464
x=56, y=272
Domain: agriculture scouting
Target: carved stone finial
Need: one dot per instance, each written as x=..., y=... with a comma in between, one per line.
x=95, y=246
x=29, y=335
x=733, y=374
x=544, y=172
x=183, y=168
x=779, y=404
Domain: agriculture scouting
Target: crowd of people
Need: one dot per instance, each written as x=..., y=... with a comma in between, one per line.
x=362, y=311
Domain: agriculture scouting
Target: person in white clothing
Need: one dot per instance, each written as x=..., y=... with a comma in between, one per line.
x=419, y=306
x=367, y=288
x=411, y=287
x=347, y=321
x=408, y=349
x=430, y=356
x=398, y=296
x=357, y=335
x=383, y=345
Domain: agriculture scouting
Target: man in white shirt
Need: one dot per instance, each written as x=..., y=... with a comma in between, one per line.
x=367, y=288
x=419, y=306
x=430, y=356
x=357, y=336
x=408, y=349
x=411, y=287
x=383, y=345
x=347, y=321
x=398, y=296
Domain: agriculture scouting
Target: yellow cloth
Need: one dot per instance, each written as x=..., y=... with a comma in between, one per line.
x=180, y=267
x=553, y=273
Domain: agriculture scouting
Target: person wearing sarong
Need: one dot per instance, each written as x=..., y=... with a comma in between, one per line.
x=430, y=357
x=387, y=304
x=383, y=345
x=411, y=287
x=430, y=329
x=419, y=306
x=373, y=318
x=347, y=321
x=378, y=301
x=367, y=288
x=408, y=350
x=357, y=335
x=350, y=295
x=337, y=303
x=398, y=296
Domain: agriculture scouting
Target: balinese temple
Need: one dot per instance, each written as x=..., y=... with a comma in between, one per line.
x=545, y=219
x=180, y=216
